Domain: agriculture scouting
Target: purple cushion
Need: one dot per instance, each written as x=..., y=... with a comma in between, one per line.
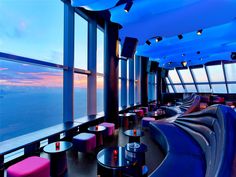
x=32, y=166
x=110, y=128
x=146, y=120
x=84, y=142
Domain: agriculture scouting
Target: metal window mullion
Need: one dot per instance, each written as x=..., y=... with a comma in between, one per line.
x=171, y=83
x=207, y=74
x=181, y=80
x=226, y=84
x=194, y=80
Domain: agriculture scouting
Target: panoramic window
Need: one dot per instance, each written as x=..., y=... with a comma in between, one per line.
x=204, y=88
x=81, y=43
x=215, y=73
x=80, y=95
x=173, y=76
x=170, y=89
x=199, y=75
x=100, y=70
x=31, y=98
x=190, y=88
x=230, y=70
x=219, y=88
x=37, y=35
x=186, y=75
x=232, y=88
x=179, y=88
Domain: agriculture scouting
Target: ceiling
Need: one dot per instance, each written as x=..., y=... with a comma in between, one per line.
x=169, y=18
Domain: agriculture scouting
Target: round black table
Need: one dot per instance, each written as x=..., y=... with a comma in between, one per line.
x=135, y=152
x=98, y=131
x=57, y=153
x=127, y=119
x=134, y=135
x=112, y=162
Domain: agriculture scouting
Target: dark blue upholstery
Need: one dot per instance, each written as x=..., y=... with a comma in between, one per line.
x=205, y=139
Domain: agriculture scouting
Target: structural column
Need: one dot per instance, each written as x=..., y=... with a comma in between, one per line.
x=123, y=83
x=68, y=87
x=159, y=86
x=111, y=72
x=144, y=81
x=131, y=82
x=92, y=60
x=137, y=79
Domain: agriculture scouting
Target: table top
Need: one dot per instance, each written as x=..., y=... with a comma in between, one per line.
x=98, y=128
x=136, y=147
x=133, y=134
x=129, y=114
x=52, y=149
x=113, y=157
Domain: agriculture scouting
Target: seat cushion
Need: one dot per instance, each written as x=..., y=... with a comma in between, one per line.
x=84, y=142
x=110, y=128
x=32, y=166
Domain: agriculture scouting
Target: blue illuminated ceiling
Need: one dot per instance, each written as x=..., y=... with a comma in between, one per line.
x=168, y=18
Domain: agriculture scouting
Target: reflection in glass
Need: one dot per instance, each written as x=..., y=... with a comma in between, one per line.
x=219, y=88
x=230, y=70
x=80, y=95
x=216, y=73
x=174, y=76
x=232, y=88
x=204, y=88
x=199, y=75
x=31, y=98
x=100, y=93
x=186, y=75
x=81, y=43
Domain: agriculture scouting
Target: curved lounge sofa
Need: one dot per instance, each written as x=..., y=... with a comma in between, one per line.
x=200, y=144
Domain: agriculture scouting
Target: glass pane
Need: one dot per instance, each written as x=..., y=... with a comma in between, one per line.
x=127, y=92
x=26, y=31
x=232, y=88
x=170, y=89
x=204, y=88
x=119, y=68
x=80, y=95
x=186, y=75
x=100, y=51
x=31, y=98
x=174, y=76
x=219, y=88
x=230, y=70
x=167, y=80
x=216, y=73
x=199, y=75
x=81, y=42
x=119, y=94
x=190, y=88
x=179, y=88
x=100, y=93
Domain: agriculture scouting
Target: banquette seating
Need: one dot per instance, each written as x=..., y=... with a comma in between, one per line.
x=200, y=144
x=191, y=105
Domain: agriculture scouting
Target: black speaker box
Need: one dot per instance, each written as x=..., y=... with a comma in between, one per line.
x=129, y=47
x=233, y=55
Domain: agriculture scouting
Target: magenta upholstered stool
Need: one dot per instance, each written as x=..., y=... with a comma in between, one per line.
x=30, y=167
x=110, y=128
x=146, y=120
x=84, y=142
x=139, y=112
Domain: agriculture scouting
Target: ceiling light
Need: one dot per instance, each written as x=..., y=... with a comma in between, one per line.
x=170, y=63
x=158, y=39
x=201, y=59
x=128, y=6
x=199, y=32
x=180, y=36
x=184, y=63
x=198, y=52
x=148, y=42
x=183, y=55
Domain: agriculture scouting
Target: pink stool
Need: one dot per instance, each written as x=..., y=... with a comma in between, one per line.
x=30, y=167
x=84, y=142
x=110, y=128
x=139, y=112
x=146, y=120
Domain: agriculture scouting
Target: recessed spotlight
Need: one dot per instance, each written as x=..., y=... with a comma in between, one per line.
x=169, y=63
x=198, y=52
x=199, y=32
x=183, y=55
x=128, y=6
x=148, y=42
x=184, y=63
x=180, y=36
x=201, y=59
x=158, y=38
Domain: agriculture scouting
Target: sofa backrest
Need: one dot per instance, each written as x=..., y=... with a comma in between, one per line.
x=214, y=128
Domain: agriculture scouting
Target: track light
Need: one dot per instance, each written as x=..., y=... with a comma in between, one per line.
x=180, y=36
x=148, y=42
x=184, y=63
x=158, y=38
x=128, y=6
x=199, y=32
